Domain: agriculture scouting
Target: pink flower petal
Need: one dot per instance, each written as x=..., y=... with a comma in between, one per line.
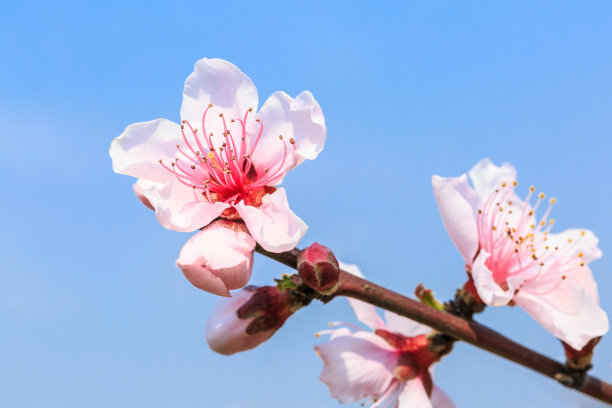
x=585, y=244
x=567, y=309
x=273, y=225
x=218, y=259
x=357, y=366
x=137, y=151
x=177, y=209
x=404, y=326
x=300, y=119
x=487, y=177
x=458, y=204
x=221, y=83
x=225, y=332
x=141, y=186
x=489, y=291
x=366, y=314
x=439, y=399
x=413, y=395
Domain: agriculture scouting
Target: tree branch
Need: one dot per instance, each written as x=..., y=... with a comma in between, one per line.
x=470, y=332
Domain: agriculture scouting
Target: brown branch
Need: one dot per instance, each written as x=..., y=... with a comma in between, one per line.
x=470, y=332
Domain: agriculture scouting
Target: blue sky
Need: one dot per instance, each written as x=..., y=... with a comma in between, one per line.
x=93, y=311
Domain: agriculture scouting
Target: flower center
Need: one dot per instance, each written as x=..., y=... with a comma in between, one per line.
x=414, y=354
x=220, y=167
x=517, y=242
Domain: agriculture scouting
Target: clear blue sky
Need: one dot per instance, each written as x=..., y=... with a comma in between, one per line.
x=93, y=311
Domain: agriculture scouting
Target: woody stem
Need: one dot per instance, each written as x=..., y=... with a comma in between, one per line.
x=468, y=331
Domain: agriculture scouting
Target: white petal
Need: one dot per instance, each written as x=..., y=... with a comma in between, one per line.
x=351, y=268
x=585, y=244
x=413, y=395
x=458, y=204
x=357, y=366
x=176, y=207
x=273, y=225
x=403, y=325
x=138, y=150
x=366, y=314
x=141, y=186
x=489, y=291
x=218, y=259
x=439, y=399
x=300, y=119
x=221, y=83
x=487, y=177
x=566, y=307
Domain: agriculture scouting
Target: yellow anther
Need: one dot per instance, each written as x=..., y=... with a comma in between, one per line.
x=582, y=233
x=564, y=277
x=210, y=155
x=542, y=223
x=532, y=226
x=515, y=183
x=532, y=189
x=210, y=105
x=331, y=324
x=280, y=137
x=504, y=184
x=580, y=255
x=250, y=109
x=569, y=240
x=541, y=196
x=494, y=228
x=551, y=221
x=581, y=263
x=553, y=201
x=317, y=335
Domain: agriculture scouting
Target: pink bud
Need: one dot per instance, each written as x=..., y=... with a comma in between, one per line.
x=247, y=319
x=218, y=258
x=318, y=268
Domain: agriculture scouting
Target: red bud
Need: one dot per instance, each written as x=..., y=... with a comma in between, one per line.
x=318, y=268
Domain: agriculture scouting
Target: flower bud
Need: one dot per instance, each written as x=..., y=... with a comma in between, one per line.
x=247, y=319
x=318, y=268
x=218, y=258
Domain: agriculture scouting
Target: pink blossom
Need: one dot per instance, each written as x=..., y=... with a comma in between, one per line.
x=389, y=366
x=219, y=258
x=225, y=159
x=247, y=319
x=513, y=257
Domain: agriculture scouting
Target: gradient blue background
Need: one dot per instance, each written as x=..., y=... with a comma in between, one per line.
x=93, y=311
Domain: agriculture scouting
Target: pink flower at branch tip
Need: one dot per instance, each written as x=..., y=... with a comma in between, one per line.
x=225, y=159
x=513, y=258
x=389, y=366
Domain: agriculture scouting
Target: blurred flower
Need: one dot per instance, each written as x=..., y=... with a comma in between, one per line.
x=249, y=318
x=390, y=366
x=514, y=259
x=230, y=166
